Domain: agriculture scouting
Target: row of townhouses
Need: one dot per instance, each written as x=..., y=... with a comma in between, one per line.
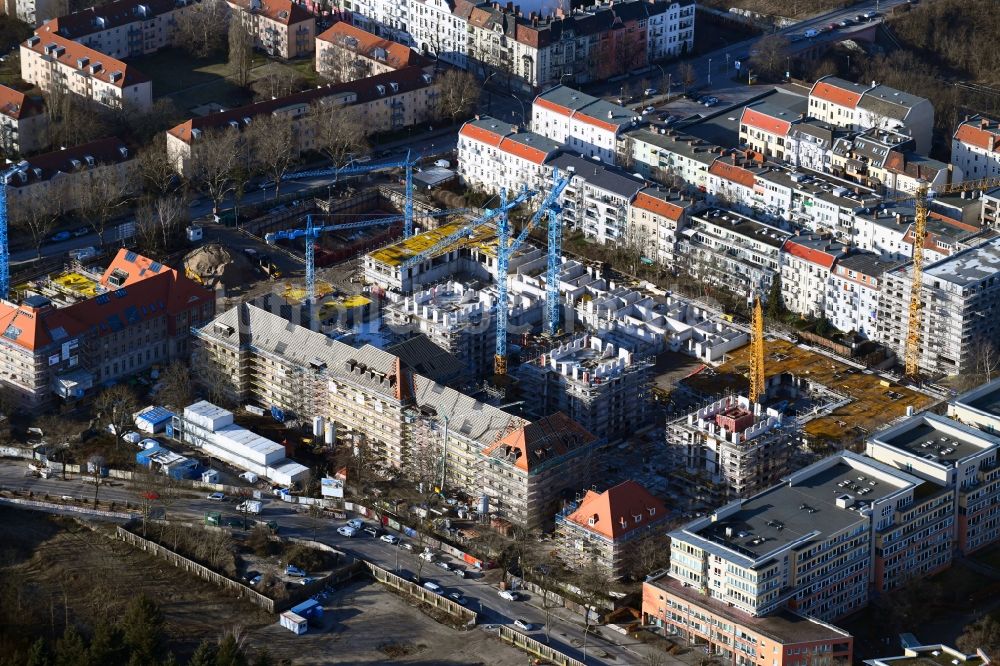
x=585, y=44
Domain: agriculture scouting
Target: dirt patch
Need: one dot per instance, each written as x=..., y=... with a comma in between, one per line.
x=57, y=571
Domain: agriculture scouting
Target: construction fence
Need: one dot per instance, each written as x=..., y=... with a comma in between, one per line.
x=537, y=648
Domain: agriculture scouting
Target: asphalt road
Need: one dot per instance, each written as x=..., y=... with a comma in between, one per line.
x=565, y=635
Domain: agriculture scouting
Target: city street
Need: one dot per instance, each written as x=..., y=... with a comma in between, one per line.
x=566, y=631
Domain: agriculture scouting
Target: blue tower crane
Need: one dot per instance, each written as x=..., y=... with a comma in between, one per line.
x=4, y=249
x=354, y=169
x=506, y=249
x=313, y=232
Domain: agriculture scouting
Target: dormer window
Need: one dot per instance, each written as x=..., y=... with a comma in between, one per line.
x=637, y=518
x=592, y=520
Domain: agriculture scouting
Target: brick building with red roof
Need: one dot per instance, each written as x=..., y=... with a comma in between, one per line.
x=22, y=122
x=142, y=318
x=346, y=53
x=606, y=528
x=975, y=148
x=280, y=28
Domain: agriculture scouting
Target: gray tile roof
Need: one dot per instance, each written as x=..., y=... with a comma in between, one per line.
x=599, y=175
x=466, y=416
x=867, y=263
x=889, y=102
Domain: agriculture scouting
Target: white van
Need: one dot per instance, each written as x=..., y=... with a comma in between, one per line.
x=433, y=587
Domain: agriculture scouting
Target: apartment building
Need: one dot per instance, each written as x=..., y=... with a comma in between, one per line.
x=730, y=448
x=765, y=128
x=927, y=654
x=783, y=638
x=818, y=203
x=384, y=102
x=141, y=317
x=596, y=199
x=852, y=293
x=975, y=148
x=990, y=210
x=587, y=125
x=807, y=262
x=459, y=318
x=122, y=29
x=809, y=143
x=519, y=469
x=807, y=544
x=528, y=471
x=657, y=216
x=668, y=157
x=34, y=12
x=437, y=28
x=23, y=123
x=733, y=251
x=347, y=53
x=53, y=62
x=957, y=294
x=959, y=463
x=861, y=107
x=493, y=155
x=56, y=175
x=280, y=28
x=598, y=385
x=604, y=529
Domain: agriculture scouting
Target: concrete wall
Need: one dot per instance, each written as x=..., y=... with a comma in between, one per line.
x=529, y=644
x=421, y=593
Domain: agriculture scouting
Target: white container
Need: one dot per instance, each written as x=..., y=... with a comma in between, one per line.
x=294, y=623
x=317, y=426
x=330, y=434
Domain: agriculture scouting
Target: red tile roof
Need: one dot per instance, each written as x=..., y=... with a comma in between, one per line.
x=480, y=134
x=597, y=122
x=285, y=12
x=364, y=43
x=407, y=79
x=618, y=510
x=552, y=106
x=809, y=254
x=43, y=167
x=155, y=290
x=542, y=441
x=762, y=121
x=15, y=104
x=659, y=206
x=974, y=133
x=732, y=172
x=831, y=92
x=84, y=59
x=523, y=151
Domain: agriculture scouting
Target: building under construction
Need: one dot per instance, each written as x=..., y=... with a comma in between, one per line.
x=729, y=449
x=599, y=385
x=459, y=318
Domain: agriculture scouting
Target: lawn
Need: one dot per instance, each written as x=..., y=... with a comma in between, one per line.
x=303, y=69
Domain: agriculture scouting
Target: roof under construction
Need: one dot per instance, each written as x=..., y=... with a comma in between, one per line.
x=534, y=444
x=394, y=255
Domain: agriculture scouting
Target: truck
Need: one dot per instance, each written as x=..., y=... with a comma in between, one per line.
x=249, y=506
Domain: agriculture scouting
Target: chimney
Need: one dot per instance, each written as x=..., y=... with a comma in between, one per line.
x=534, y=21
x=984, y=123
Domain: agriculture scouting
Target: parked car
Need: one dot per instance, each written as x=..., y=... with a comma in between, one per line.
x=427, y=556
x=521, y=624
x=60, y=237
x=458, y=571
x=217, y=497
x=433, y=587
x=390, y=538
x=871, y=16
x=255, y=581
x=406, y=546
x=457, y=597
x=356, y=523
x=650, y=91
x=250, y=575
x=373, y=531
x=346, y=531
x=810, y=33
x=846, y=23
x=292, y=570
x=81, y=231
x=508, y=595
x=306, y=581
x=83, y=253
x=444, y=164
x=444, y=565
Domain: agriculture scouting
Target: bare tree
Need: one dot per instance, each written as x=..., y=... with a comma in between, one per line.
x=95, y=468
x=35, y=213
x=647, y=555
x=116, y=405
x=274, y=145
x=274, y=85
x=339, y=130
x=339, y=64
x=104, y=193
x=202, y=28
x=687, y=74
x=459, y=93
x=158, y=222
x=212, y=377
x=175, y=386
x=240, y=47
x=217, y=155
x=154, y=169
x=769, y=55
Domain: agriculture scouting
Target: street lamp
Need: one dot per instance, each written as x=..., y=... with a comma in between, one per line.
x=709, y=72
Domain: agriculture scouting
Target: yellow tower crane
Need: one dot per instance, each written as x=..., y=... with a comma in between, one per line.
x=756, y=352
x=915, y=321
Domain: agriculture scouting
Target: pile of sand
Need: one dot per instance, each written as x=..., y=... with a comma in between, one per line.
x=218, y=267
